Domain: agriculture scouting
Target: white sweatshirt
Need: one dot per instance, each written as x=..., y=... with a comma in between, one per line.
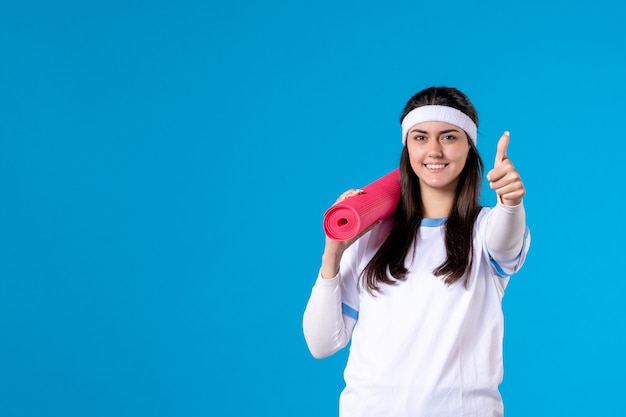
x=421, y=347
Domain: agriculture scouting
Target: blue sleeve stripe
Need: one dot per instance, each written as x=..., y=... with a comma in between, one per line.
x=498, y=268
x=349, y=311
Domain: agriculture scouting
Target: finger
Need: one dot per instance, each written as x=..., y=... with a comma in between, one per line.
x=495, y=174
x=510, y=188
x=503, y=144
x=499, y=178
x=501, y=170
x=350, y=193
x=507, y=184
x=511, y=196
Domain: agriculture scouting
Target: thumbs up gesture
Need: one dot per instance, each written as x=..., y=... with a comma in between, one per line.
x=504, y=178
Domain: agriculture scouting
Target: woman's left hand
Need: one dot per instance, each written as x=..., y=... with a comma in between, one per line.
x=504, y=178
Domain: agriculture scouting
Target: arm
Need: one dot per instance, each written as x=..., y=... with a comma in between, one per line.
x=326, y=328
x=506, y=228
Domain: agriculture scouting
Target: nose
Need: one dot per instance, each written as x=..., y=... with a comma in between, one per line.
x=434, y=149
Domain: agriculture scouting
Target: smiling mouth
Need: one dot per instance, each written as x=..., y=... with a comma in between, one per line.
x=435, y=166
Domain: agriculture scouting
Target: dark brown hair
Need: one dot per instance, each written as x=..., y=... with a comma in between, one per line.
x=459, y=226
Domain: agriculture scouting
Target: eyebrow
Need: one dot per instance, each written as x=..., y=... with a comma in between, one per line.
x=443, y=132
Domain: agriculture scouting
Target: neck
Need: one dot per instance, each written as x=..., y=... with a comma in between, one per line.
x=437, y=203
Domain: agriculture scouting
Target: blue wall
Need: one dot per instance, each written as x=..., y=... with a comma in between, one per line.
x=164, y=168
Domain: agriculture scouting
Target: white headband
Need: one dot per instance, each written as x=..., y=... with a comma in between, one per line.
x=438, y=114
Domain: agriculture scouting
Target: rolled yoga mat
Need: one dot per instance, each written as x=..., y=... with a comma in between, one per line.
x=350, y=217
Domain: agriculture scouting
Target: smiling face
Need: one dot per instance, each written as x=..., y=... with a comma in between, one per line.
x=437, y=152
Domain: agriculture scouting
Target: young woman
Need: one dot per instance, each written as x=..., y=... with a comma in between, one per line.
x=420, y=294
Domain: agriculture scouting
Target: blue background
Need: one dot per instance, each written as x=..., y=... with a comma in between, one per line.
x=164, y=168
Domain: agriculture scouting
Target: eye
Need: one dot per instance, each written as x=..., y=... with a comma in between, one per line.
x=449, y=138
x=419, y=137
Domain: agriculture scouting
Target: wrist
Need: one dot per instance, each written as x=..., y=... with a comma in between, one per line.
x=330, y=264
x=332, y=254
x=510, y=203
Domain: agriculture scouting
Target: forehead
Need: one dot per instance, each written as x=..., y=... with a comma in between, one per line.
x=435, y=127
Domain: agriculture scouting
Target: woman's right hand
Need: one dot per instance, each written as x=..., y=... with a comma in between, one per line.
x=334, y=249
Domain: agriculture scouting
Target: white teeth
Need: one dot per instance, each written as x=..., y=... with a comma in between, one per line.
x=435, y=166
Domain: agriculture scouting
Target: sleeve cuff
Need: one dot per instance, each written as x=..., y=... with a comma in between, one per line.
x=331, y=282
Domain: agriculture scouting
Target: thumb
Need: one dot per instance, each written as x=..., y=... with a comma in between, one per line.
x=503, y=144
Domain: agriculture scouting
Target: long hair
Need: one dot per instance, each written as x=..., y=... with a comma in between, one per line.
x=388, y=264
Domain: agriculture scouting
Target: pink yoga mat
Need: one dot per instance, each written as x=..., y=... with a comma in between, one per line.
x=347, y=219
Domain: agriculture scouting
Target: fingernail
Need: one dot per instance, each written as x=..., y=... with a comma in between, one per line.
x=506, y=132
